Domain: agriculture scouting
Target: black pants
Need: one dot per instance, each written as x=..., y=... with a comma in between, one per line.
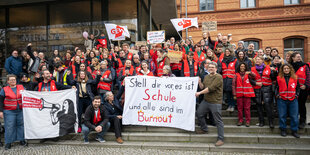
x=302, y=98
x=260, y=96
x=117, y=124
x=120, y=92
x=82, y=105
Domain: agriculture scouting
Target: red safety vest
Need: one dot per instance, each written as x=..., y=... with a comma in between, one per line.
x=199, y=59
x=73, y=71
x=138, y=69
x=11, y=99
x=102, y=43
x=244, y=87
x=186, y=68
x=229, y=71
x=129, y=56
x=120, y=66
x=265, y=78
x=160, y=71
x=287, y=93
x=105, y=85
x=301, y=73
x=52, y=86
x=94, y=74
x=149, y=74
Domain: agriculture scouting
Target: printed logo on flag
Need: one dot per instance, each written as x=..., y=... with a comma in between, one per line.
x=118, y=31
x=185, y=23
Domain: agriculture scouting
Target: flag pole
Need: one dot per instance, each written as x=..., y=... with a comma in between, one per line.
x=179, y=35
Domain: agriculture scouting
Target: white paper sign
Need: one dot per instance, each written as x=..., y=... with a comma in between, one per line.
x=160, y=101
x=49, y=114
x=154, y=37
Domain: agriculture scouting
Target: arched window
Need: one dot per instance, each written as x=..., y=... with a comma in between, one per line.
x=294, y=44
x=256, y=43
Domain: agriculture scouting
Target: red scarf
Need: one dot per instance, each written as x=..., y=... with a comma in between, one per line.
x=97, y=118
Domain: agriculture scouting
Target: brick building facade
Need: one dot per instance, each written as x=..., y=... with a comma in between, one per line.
x=281, y=24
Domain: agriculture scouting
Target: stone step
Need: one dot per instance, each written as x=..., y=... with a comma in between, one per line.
x=192, y=137
x=227, y=129
x=254, y=120
x=207, y=147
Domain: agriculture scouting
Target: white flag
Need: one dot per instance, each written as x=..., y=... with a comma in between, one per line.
x=49, y=114
x=184, y=23
x=116, y=32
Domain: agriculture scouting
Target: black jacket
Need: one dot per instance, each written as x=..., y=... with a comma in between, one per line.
x=89, y=117
x=89, y=84
x=113, y=110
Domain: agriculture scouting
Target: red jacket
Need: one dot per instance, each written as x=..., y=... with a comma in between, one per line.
x=11, y=99
x=287, y=93
x=244, y=87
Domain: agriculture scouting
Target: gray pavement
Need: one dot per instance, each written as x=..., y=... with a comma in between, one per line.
x=43, y=149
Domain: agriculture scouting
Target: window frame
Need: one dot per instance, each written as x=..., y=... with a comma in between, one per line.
x=303, y=50
x=249, y=40
x=247, y=7
x=299, y=2
x=214, y=8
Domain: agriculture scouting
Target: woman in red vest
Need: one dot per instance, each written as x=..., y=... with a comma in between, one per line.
x=189, y=66
x=303, y=74
x=243, y=92
x=127, y=71
x=11, y=111
x=228, y=73
x=145, y=69
x=162, y=60
x=176, y=67
x=199, y=56
x=287, y=92
x=263, y=89
x=75, y=68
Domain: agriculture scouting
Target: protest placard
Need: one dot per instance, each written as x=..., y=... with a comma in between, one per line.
x=139, y=43
x=154, y=37
x=209, y=26
x=174, y=56
x=160, y=101
x=49, y=114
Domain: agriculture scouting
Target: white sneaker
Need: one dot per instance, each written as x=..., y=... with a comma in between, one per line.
x=232, y=109
x=101, y=140
x=228, y=109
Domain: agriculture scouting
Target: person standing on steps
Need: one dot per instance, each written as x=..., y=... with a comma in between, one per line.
x=287, y=92
x=212, y=88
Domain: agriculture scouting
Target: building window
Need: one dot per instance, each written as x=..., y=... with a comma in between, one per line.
x=247, y=3
x=206, y=5
x=291, y=2
x=294, y=44
x=255, y=42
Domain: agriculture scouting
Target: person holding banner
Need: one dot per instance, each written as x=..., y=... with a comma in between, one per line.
x=50, y=85
x=176, y=67
x=95, y=119
x=115, y=111
x=189, y=66
x=127, y=71
x=101, y=42
x=84, y=93
x=162, y=61
x=212, y=86
x=145, y=69
x=11, y=111
x=151, y=65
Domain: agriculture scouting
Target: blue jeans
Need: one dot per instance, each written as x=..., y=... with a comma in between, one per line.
x=13, y=125
x=87, y=130
x=283, y=106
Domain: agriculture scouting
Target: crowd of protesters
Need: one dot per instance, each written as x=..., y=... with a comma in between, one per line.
x=278, y=86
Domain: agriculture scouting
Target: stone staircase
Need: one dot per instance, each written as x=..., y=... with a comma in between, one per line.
x=239, y=139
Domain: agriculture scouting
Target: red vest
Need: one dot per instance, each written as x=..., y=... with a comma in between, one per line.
x=138, y=69
x=244, y=87
x=301, y=73
x=201, y=58
x=287, y=93
x=149, y=74
x=129, y=56
x=11, y=99
x=73, y=71
x=102, y=43
x=161, y=67
x=229, y=71
x=120, y=66
x=187, y=70
x=105, y=85
x=265, y=78
x=52, y=86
